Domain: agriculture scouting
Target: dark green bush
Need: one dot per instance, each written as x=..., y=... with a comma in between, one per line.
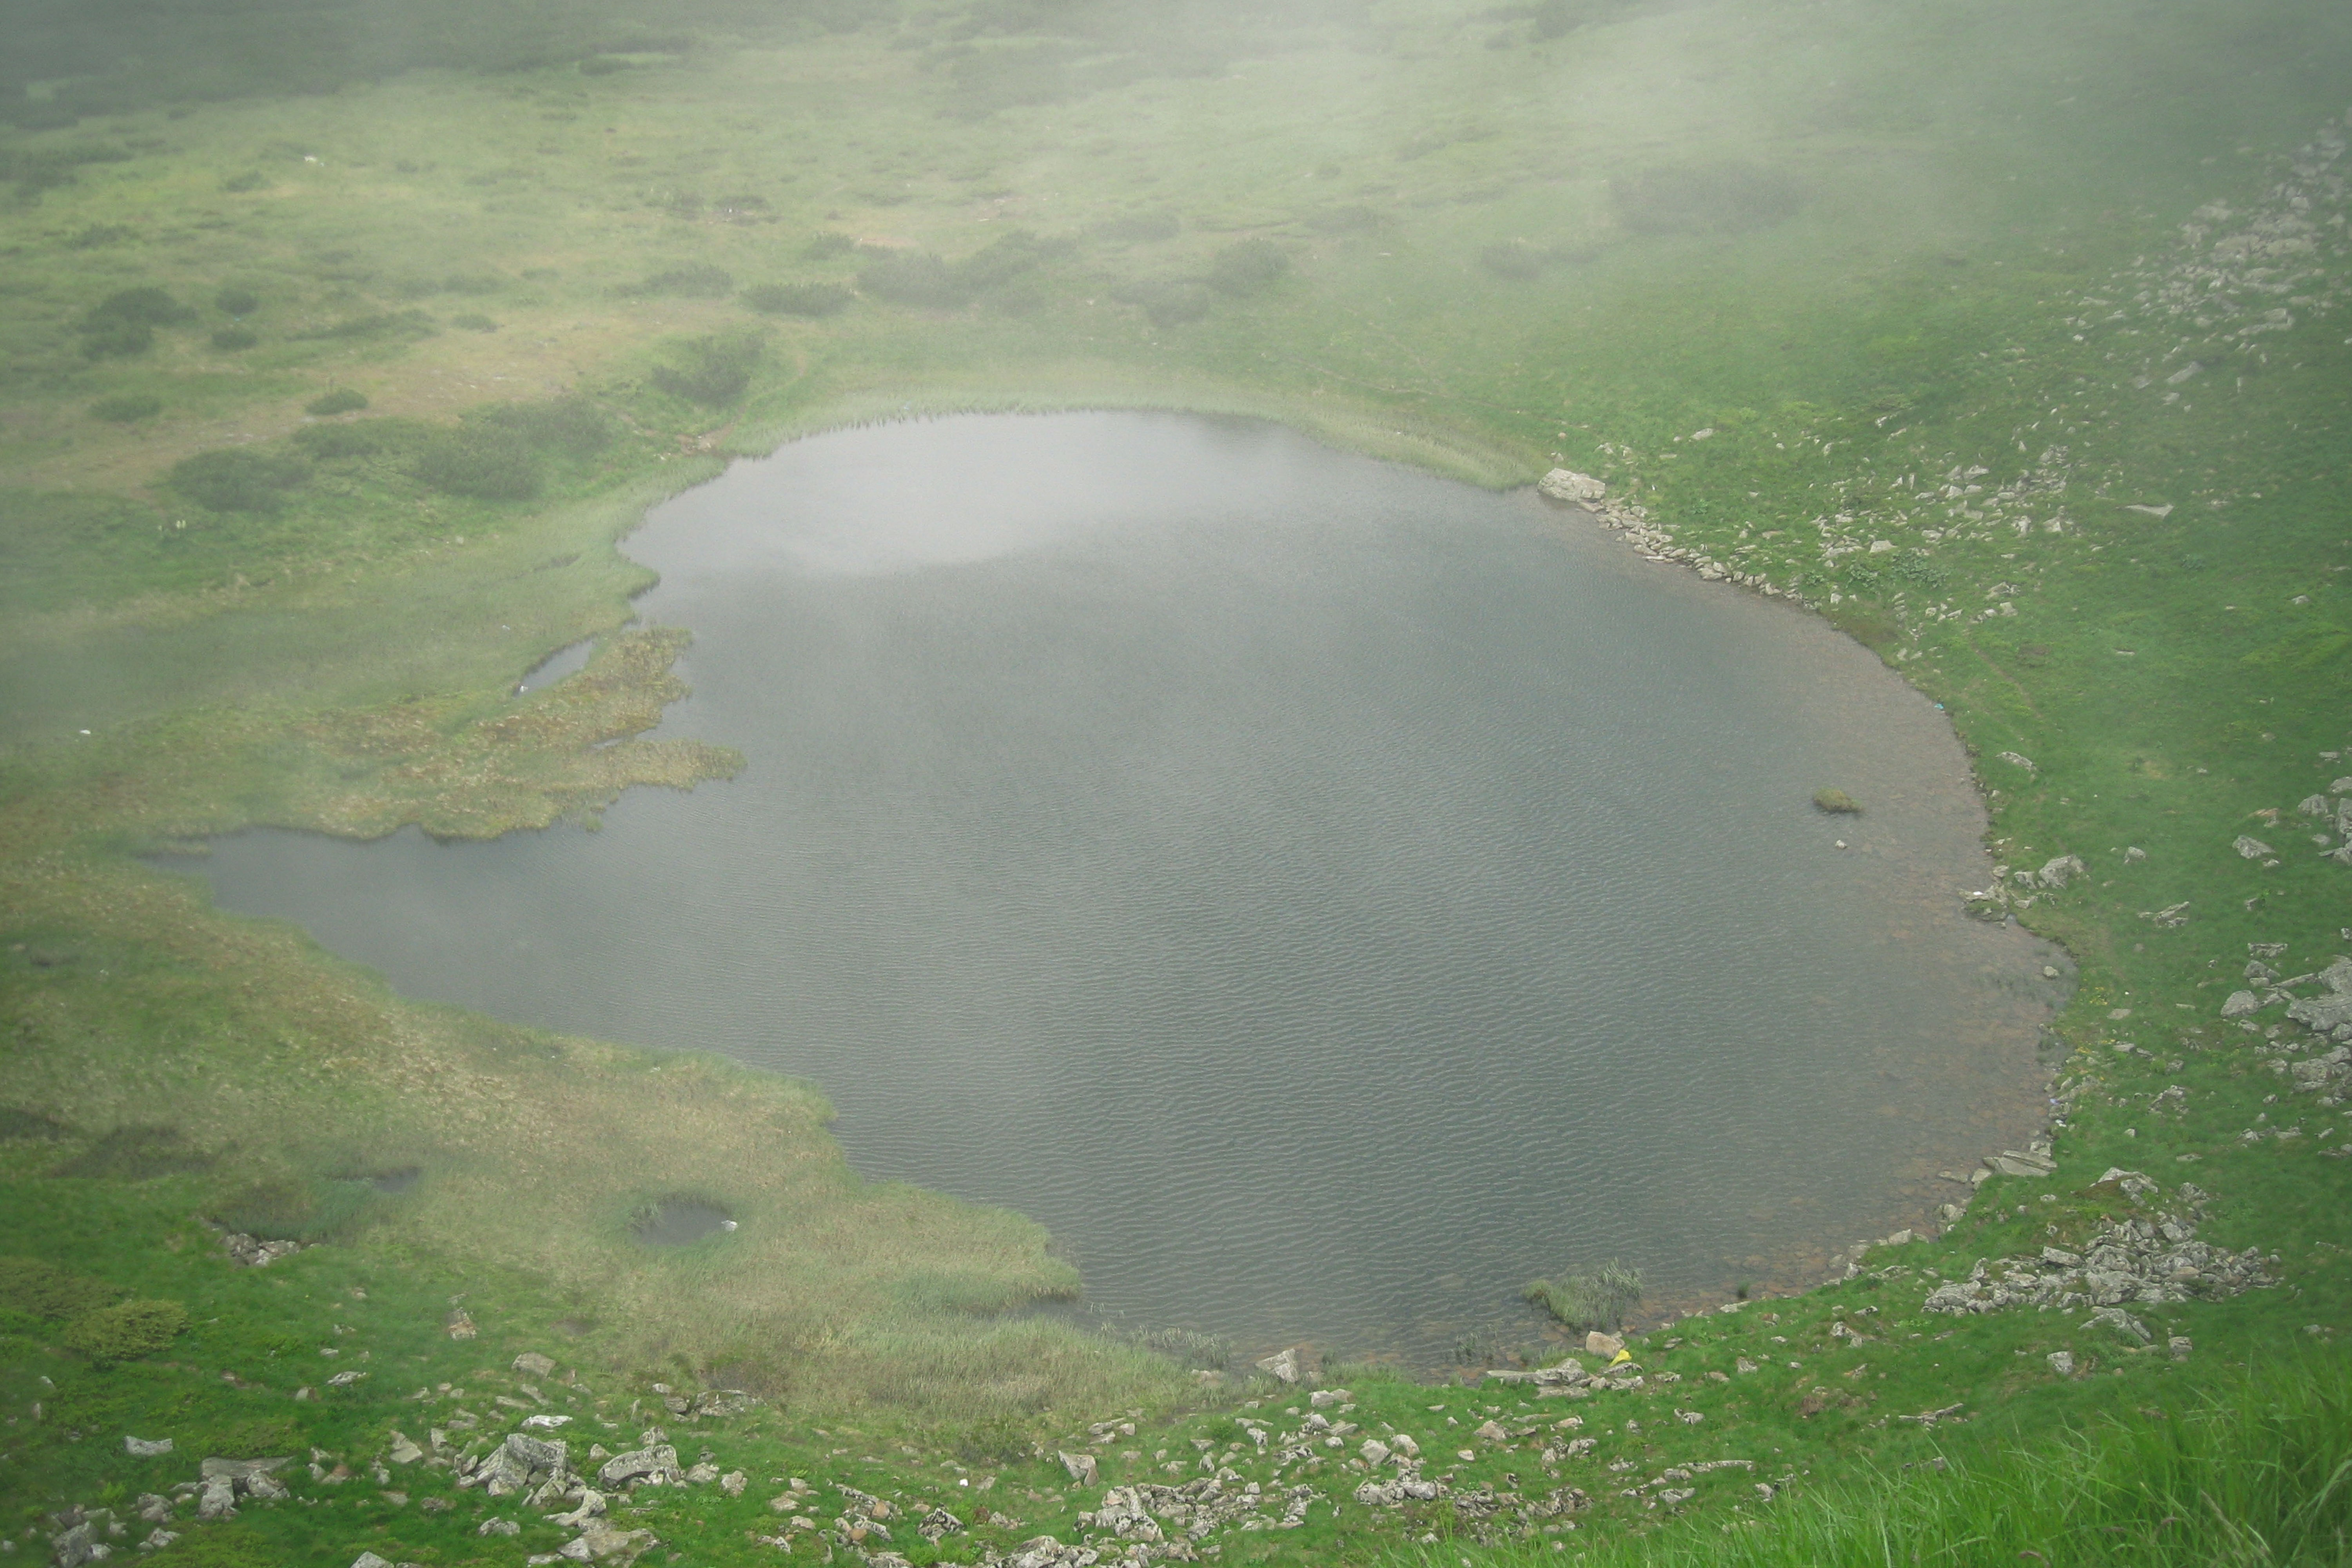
x=360, y=438
x=826, y=245
x=232, y=339
x=45, y=1290
x=238, y=478
x=127, y=407
x=914, y=277
x=150, y=307
x=251, y=180
x=1012, y=255
x=697, y=281
x=570, y=424
x=479, y=460
x=1169, y=301
x=715, y=370
x=17, y=1123
x=341, y=400
x=109, y=338
x=126, y=1332
x=236, y=301
x=1247, y=266
x=474, y=322
x=798, y=299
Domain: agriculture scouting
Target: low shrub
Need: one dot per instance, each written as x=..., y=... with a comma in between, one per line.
x=914, y=277
x=474, y=322
x=341, y=400
x=251, y=180
x=17, y=1123
x=234, y=300
x=1596, y=1300
x=825, y=246
x=697, y=281
x=360, y=438
x=715, y=370
x=571, y=423
x=46, y=1290
x=1168, y=302
x=126, y=1332
x=798, y=299
x=150, y=307
x=1248, y=267
x=238, y=478
x=231, y=340
x=482, y=461
x=127, y=407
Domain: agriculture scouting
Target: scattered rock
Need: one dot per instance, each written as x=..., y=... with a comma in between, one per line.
x=2056, y=873
x=256, y=1254
x=733, y=1482
x=1287, y=1365
x=1082, y=1467
x=2061, y=1363
x=1597, y=1343
x=145, y=1448
x=2151, y=1260
x=532, y=1363
x=498, y=1527
x=2241, y=1004
x=2251, y=848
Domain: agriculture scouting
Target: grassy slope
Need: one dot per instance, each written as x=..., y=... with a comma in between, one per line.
x=1970, y=173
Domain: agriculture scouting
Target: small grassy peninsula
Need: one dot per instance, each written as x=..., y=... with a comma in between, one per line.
x=343, y=343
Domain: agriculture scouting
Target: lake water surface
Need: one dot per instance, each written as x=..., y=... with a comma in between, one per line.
x=1325, y=895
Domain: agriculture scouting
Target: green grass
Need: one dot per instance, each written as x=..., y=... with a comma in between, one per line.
x=1480, y=242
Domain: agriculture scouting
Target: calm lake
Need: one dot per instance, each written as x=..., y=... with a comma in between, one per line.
x=1326, y=896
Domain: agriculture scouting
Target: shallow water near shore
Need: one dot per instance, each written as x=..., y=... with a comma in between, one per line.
x=1328, y=897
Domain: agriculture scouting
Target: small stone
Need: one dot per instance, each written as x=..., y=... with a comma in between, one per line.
x=2251, y=848
x=1286, y=1365
x=498, y=1527
x=2180, y=1347
x=369, y=1560
x=2061, y=1363
x=1597, y=1343
x=733, y=1482
x=1492, y=1432
x=1082, y=1467
x=145, y=1448
x=534, y=1365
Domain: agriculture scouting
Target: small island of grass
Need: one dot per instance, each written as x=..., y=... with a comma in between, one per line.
x=1836, y=801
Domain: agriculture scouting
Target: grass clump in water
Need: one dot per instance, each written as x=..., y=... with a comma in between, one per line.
x=1836, y=801
x=1596, y=1300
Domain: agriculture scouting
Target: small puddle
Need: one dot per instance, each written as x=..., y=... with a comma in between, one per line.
x=674, y=1222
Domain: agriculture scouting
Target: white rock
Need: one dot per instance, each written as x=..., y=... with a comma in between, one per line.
x=2251, y=848
x=2241, y=1004
x=1284, y=1365
x=1082, y=1467
x=2063, y=1363
x=1566, y=484
x=145, y=1448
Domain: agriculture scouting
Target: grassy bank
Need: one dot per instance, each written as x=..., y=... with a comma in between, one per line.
x=2008, y=337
